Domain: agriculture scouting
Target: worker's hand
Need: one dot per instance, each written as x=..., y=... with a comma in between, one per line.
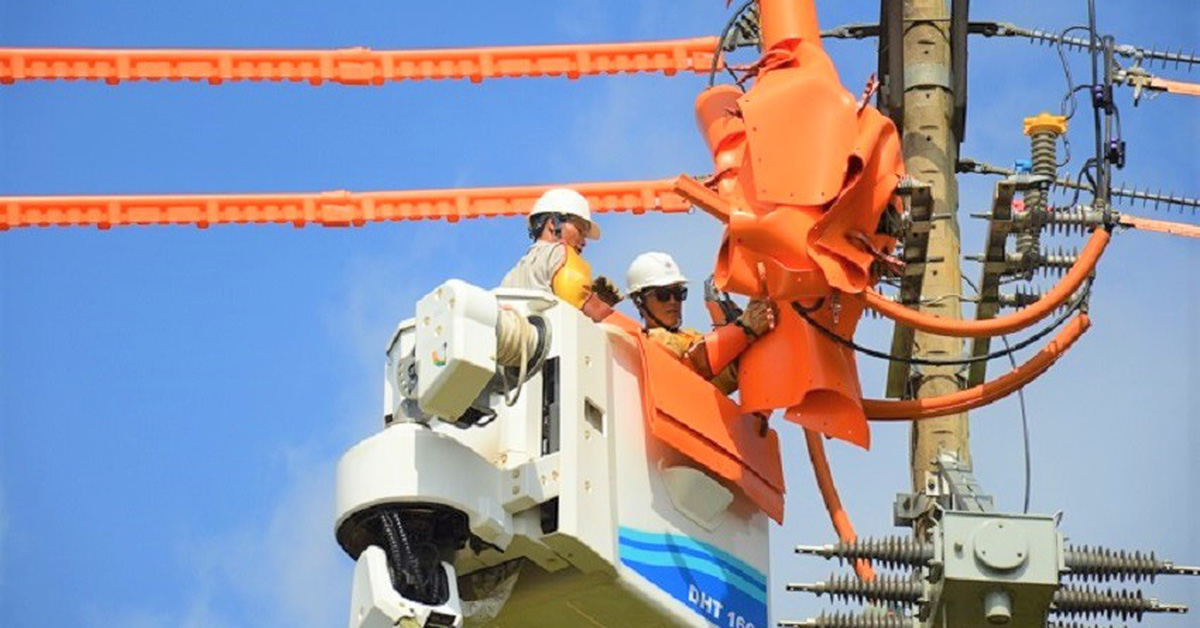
x=604, y=290
x=759, y=317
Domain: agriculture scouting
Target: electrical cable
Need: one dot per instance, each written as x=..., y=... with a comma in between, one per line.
x=1024, y=430
x=1075, y=304
x=1024, y=417
x=712, y=72
x=1099, y=141
x=1069, y=98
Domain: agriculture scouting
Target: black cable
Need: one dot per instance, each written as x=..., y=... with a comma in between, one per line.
x=712, y=72
x=1024, y=429
x=393, y=549
x=1024, y=417
x=406, y=547
x=1057, y=322
x=1099, y=141
x=1069, y=112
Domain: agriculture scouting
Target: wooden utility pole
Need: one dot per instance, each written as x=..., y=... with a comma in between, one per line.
x=930, y=154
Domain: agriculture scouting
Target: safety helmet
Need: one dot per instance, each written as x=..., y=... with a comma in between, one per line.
x=569, y=202
x=653, y=270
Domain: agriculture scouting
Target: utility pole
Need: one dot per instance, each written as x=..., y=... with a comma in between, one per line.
x=931, y=154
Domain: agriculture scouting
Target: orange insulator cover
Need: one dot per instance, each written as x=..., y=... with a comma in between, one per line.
x=805, y=173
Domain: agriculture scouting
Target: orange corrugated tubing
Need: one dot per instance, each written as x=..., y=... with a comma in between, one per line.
x=985, y=393
x=1005, y=324
x=833, y=503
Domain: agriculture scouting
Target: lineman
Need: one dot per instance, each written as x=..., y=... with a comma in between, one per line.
x=560, y=225
x=658, y=289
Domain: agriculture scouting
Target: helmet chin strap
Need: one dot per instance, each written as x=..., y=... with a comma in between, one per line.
x=640, y=301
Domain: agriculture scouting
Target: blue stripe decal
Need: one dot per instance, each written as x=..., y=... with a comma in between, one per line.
x=724, y=590
x=688, y=563
x=673, y=541
x=688, y=554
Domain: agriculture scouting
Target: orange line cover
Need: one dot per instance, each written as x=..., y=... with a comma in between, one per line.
x=1161, y=226
x=356, y=66
x=983, y=394
x=330, y=209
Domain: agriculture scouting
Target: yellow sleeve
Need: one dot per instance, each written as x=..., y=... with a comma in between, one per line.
x=573, y=281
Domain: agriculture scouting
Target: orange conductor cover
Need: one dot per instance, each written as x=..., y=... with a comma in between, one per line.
x=805, y=174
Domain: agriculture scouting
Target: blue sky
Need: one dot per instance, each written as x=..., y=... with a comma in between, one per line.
x=172, y=400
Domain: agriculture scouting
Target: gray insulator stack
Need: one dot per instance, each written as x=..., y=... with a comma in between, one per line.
x=846, y=620
x=1044, y=153
x=1021, y=297
x=1073, y=220
x=1071, y=624
x=1119, y=604
x=1057, y=261
x=1102, y=564
x=892, y=551
x=849, y=588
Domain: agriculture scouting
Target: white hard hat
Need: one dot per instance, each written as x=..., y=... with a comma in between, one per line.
x=653, y=270
x=569, y=202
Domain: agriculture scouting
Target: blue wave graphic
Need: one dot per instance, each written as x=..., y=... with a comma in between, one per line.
x=715, y=585
x=675, y=541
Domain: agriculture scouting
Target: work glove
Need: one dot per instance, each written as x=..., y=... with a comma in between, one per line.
x=759, y=317
x=606, y=291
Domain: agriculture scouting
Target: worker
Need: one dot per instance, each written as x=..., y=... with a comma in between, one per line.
x=560, y=224
x=658, y=289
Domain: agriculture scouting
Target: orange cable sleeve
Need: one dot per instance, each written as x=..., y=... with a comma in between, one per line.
x=1160, y=226
x=988, y=327
x=357, y=66
x=985, y=393
x=833, y=503
x=1176, y=87
x=331, y=209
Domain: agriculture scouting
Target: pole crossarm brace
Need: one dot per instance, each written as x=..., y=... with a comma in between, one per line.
x=357, y=66
x=329, y=209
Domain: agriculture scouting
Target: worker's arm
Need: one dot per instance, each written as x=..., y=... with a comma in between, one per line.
x=719, y=348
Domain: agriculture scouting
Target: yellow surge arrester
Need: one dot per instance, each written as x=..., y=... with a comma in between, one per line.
x=1044, y=122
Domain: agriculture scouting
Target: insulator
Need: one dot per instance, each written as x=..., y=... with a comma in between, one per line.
x=1071, y=624
x=1044, y=153
x=1057, y=261
x=846, y=620
x=850, y=588
x=1120, y=604
x=892, y=551
x=1103, y=564
x=1072, y=220
x=1021, y=297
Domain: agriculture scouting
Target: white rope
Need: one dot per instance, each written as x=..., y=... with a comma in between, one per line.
x=516, y=339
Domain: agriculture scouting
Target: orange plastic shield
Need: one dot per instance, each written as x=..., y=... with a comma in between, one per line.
x=688, y=414
x=800, y=130
x=808, y=174
x=798, y=368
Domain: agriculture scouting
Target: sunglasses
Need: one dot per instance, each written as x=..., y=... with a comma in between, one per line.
x=666, y=293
